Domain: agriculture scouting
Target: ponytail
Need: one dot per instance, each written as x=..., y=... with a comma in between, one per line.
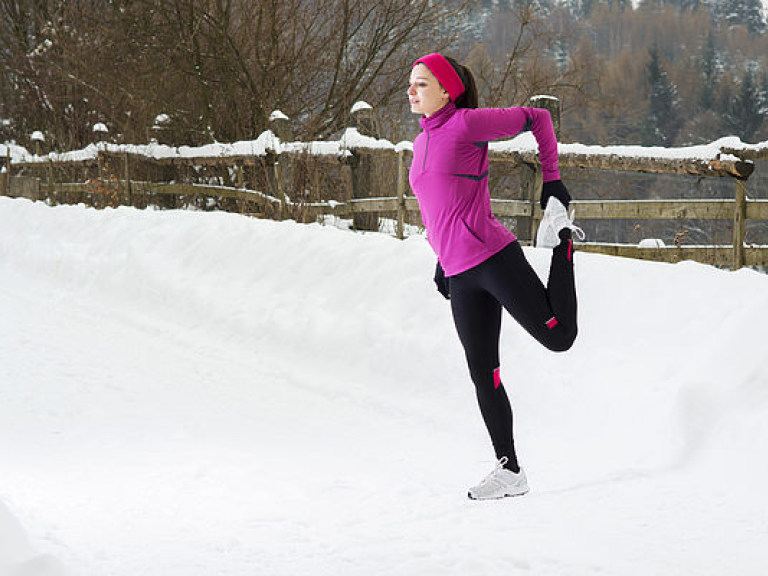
x=469, y=98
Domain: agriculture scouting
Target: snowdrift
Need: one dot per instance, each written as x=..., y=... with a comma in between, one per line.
x=184, y=394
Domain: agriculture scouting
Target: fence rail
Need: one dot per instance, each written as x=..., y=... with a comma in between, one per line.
x=287, y=179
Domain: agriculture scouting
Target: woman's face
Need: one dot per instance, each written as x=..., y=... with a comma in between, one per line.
x=424, y=92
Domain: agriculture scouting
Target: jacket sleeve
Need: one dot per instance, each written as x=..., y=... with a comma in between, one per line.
x=486, y=124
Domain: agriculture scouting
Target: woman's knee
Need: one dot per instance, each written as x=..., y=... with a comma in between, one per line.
x=483, y=372
x=560, y=340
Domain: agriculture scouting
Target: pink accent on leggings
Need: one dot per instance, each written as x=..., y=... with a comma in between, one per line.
x=552, y=322
x=497, y=378
x=570, y=250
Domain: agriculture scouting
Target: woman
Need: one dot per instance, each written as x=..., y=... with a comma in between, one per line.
x=481, y=266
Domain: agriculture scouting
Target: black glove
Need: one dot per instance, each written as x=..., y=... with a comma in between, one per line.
x=443, y=283
x=557, y=189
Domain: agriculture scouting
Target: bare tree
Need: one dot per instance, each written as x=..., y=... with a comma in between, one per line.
x=217, y=68
x=518, y=56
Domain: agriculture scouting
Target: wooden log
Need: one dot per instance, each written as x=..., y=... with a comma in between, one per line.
x=6, y=180
x=362, y=180
x=747, y=154
x=371, y=205
x=552, y=105
x=25, y=187
x=530, y=184
x=756, y=256
x=663, y=209
x=280, y=125
x=317, y=210
x=715, y=167
x=715, y=255
x=401, y=180
x=739, y=223
x=61, y=164
x=274, y=176
x=511, y=208
x=512, y=157
x=411, y=204
x=740, y=170
x=364, y=119
x=757, y=209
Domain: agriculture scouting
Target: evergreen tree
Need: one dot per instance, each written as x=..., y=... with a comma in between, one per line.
x=561, y=54
x=587, y=6
x=742, y=13
x=709, y=69
x=756, y=24
x=763, y=99
x=746, y=116
x=663, y=120
x=683, y=5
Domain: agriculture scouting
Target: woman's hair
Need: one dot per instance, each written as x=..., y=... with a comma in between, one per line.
x=469, y=99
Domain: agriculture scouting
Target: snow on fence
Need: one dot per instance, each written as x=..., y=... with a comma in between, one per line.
x=362, y=177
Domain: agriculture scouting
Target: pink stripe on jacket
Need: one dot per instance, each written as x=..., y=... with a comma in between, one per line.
x=449, y=175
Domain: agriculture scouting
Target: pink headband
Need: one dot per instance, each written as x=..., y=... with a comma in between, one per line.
x=444, y=73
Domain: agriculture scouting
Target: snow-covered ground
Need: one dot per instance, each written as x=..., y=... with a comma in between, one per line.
x=187, y=394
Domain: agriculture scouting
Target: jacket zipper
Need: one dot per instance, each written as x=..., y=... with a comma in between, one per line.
x=426, y=151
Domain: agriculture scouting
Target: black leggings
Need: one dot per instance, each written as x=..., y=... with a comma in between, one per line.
x=548, y=314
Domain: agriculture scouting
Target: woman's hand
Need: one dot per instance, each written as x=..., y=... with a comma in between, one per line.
x=443, y=283
x=557, y=189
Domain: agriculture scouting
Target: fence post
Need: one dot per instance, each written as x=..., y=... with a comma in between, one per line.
x=362, y=166
x=739, y=223
x=101, y=165
x=530, y=184
x=550, y=103
x=280, y=126
x=401, y=178
x=125, y=186
x=275, y=176
x=7, y=176
x=239, y=176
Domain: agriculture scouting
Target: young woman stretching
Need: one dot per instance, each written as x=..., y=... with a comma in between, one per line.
x=481, y=266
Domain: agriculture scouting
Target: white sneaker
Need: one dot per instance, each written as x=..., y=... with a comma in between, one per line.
x=500, y=483
x=555, y=218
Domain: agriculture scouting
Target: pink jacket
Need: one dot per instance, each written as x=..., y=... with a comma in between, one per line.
x=449, y=175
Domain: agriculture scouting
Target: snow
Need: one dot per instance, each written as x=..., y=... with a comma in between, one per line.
x=526, y=142
x=100, y=127
x=277, y=115
x=351, y=138
x=360, y=105
x=651, y=243
x=186, y=394
x=704, y=152
x=17, y=153
x=543, y=97
x=37, y=136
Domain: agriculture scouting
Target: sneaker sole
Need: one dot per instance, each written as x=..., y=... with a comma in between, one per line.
x=469, y=495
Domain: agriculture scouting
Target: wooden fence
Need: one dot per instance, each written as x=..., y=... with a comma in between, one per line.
x=360, y=178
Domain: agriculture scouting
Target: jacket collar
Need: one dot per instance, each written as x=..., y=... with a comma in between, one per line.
x=438, y=118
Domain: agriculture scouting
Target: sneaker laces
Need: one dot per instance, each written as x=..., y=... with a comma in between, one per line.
x=557, y=217
x=575, y=230
x=492, y=476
